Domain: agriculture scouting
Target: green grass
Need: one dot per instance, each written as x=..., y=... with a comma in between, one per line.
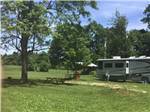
x=15, y=71
x=71, y=98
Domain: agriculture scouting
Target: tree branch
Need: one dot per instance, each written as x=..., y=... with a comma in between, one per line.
x=41, y=49
x=49, y=4
x=33, y=45
x=15, y=45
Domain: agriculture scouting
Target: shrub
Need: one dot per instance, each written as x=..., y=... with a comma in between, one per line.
x=43, y=66
x=93, y=73
x=30, y=67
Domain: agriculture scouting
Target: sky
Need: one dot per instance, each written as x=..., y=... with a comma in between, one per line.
x=132, y=9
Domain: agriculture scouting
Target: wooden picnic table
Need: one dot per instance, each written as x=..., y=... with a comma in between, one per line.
x=57, y=80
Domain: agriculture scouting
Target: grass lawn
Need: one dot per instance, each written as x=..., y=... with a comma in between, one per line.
x=70, y=98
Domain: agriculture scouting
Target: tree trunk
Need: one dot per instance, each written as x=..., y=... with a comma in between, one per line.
x=24, y=59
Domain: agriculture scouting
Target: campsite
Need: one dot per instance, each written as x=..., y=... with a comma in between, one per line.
x=75, y=56
x=47, y=97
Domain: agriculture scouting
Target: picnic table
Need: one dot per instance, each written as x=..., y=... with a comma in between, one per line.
x=57, y=80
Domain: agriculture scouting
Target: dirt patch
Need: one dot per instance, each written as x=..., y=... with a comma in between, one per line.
x=116, y=87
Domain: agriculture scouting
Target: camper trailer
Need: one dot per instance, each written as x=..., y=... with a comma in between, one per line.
x=117, y=68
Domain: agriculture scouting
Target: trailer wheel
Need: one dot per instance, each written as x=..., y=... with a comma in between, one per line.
x=145, y=80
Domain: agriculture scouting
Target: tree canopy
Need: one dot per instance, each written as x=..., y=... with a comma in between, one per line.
x=97, y=37
x=26, y=24
x=70, y=45
x=117, y=41
x=146, y=19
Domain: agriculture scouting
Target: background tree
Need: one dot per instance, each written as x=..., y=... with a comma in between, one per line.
x=11, y=59
x=117, y=43
x=142, y=43
x=25, y=24
x=39, y=62
x=70, y=45
x=145, y=40
x=139, y=41
x=56, y=52
x=133, y=37
x=146, y=19
x=97, y=37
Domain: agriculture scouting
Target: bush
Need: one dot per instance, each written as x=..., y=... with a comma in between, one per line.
x=30, y=67
x=93, y=73
x=43, y=66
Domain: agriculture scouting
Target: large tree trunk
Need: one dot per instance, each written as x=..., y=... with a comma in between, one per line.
x=24, y=59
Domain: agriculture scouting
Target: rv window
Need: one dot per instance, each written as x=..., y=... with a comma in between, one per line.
x=119, y=65
x=100, y=65
x=108, y=65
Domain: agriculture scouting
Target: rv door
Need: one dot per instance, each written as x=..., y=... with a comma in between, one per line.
x=127, y=67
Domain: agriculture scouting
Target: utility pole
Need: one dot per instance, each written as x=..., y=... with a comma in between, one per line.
x=105, y=48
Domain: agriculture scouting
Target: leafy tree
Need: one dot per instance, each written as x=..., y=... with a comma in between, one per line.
x=70, y=45
x=142, y=43
x=11, y=59
x=56, y=53
x=117, y=43
x=144, y=49
x=32, y=64
x=43, y=62
x=38, y=62
x=146, y=19
x=140, y=40
x=133, y=36
x=97, y=36
x=26, y=24
x=119, y=24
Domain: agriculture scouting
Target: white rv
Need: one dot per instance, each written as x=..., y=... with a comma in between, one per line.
x=117, y=68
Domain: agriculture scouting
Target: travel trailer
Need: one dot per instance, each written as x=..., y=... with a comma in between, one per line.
x=117, y=68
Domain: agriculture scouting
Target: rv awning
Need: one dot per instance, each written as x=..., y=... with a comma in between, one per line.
x=125, y=59
x=92, y=65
